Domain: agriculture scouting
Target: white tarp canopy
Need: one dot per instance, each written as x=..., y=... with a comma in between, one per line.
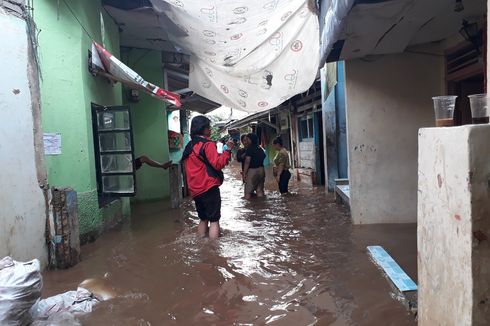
x=247, y=54
x=355, y=29
x=332, y=15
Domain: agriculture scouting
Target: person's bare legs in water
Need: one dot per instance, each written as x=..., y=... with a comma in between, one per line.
x=213, y=229
x=248, y=196
x=202, y=228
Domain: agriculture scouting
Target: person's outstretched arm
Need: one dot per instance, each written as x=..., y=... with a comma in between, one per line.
x=145, y=159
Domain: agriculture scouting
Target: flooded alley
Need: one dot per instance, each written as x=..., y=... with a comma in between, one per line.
x=109, y=109
x=283, y=260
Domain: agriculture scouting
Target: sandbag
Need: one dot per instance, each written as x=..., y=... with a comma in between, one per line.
x=60, y=319
x=20, y=288
x=75, y=302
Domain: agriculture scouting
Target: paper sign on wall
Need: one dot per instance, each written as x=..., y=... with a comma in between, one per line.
x=52, y=143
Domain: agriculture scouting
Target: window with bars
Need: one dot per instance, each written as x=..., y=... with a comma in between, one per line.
x=114, y=151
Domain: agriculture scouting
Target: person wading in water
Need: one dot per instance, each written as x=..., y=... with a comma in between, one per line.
x=240, y=154
x=203, y=166
x=253, y=170
x=281, y=166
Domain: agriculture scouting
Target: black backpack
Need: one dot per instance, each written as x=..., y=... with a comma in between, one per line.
x=211, y=171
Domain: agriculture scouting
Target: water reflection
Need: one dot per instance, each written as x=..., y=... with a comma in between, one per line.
x=281, y=261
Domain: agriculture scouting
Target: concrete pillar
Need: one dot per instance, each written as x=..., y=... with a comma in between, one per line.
x=454, y=226
x=63, y=229
x=176, y=185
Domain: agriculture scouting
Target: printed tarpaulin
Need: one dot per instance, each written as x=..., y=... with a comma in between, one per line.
x=113, y=68
x=246, y=54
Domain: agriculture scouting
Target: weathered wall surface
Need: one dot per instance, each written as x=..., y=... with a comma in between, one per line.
x=453, y=226
x=67, y=91
x=388, y=100
x=307, y=154
x=150, y=127
x=479, y=183
x=22, y=204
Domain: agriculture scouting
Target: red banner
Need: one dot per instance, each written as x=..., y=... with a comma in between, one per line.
x=109, y=66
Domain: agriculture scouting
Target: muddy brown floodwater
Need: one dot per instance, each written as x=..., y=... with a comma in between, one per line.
x=293, y=260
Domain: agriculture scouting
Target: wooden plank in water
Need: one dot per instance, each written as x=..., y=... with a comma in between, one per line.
x=396, y=274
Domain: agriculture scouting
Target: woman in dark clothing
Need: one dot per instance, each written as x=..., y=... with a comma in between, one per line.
x=240, y=154
x=253, y=170
x=281, y=166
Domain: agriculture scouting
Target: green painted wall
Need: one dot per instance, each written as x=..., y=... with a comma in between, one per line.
x=67, y=90
x=150, y=126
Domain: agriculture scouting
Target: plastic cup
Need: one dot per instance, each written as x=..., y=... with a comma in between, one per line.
x=219, y=147
x=479, y=108
x=444, y=109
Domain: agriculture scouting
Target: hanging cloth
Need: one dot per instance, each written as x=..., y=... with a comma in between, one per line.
x=251, y=55
x=111, y=67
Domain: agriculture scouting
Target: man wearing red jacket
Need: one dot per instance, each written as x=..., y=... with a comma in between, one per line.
x=203, y=165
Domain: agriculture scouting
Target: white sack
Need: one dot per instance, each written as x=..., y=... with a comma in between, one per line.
x=59, y=319
x=75, y=302
x=20, y=288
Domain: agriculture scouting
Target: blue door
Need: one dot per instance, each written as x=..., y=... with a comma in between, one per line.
x=342, y=162
x=335, y=130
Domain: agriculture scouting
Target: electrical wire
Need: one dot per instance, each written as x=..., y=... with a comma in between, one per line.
x=33, y=34
x=78, y=20
x=141, y=57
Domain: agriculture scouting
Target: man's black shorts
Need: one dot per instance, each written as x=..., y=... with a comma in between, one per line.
x=208, y=205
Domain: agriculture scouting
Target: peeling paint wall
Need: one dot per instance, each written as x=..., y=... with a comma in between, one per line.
x=453, y=226
x=479, y=183
x=388, y=100
x=307, y=154
x=22, y=201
